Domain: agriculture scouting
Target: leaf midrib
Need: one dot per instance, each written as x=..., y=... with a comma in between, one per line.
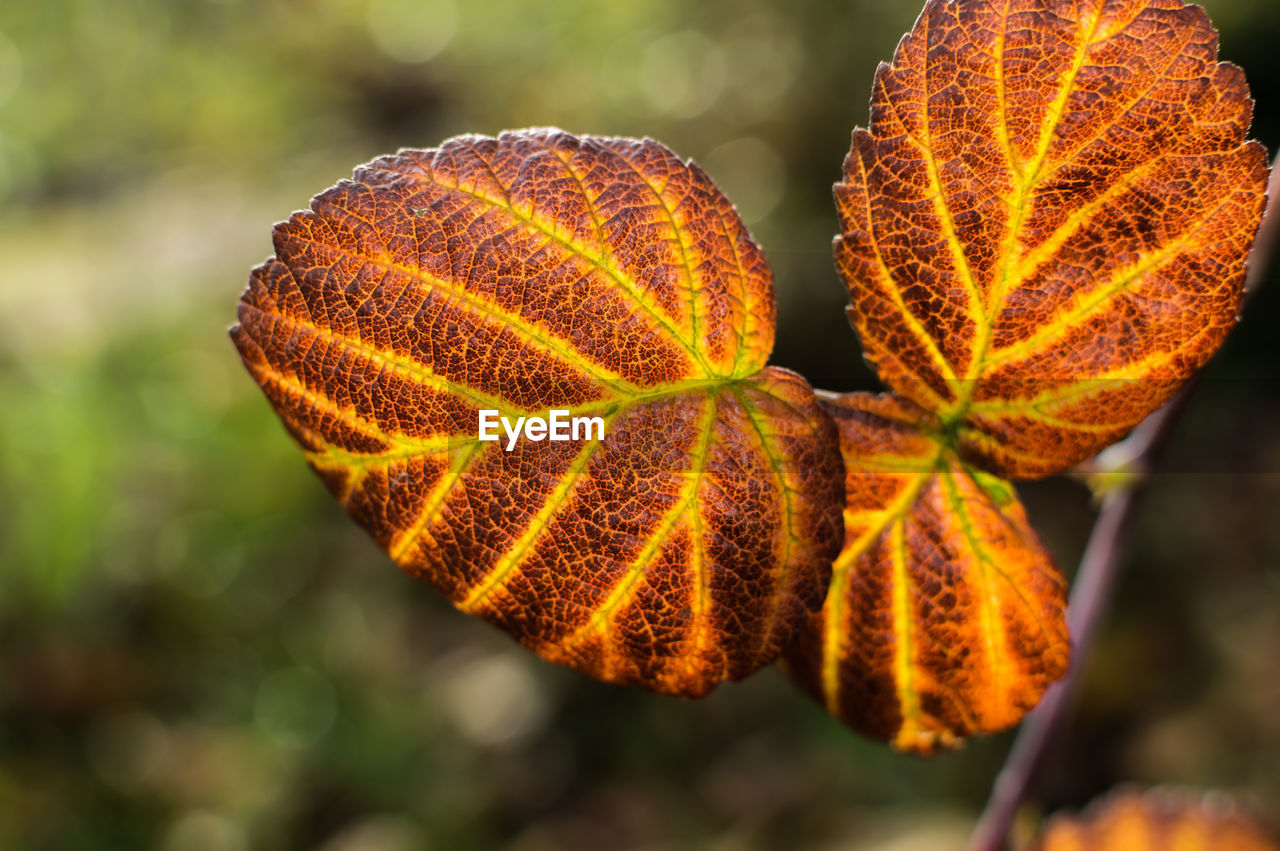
x=404, y=446
x=1029, y=180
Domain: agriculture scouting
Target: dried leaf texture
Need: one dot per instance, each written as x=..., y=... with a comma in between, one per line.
x=540, y=271
x=1157, y=820
x=1044, y=230
x=946, y=617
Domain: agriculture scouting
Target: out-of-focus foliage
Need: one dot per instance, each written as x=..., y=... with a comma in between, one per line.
x=198, y=651
x=1156, y=820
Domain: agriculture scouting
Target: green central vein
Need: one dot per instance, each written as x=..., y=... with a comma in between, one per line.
x=1030, y=178
x=991, y=565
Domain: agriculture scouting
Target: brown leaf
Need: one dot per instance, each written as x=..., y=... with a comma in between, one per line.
x=1157, y=820
x=1044, y=230
x=536, y=272
x=946, y=617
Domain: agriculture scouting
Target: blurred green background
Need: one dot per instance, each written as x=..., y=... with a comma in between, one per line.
x=198, y=652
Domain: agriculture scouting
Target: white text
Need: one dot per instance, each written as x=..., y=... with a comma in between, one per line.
x=558, y=426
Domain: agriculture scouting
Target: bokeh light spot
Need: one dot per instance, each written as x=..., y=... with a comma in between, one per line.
x=495, y=701
x=379, y=833
x=205, y=831
x=412, y=31
x=683, y=74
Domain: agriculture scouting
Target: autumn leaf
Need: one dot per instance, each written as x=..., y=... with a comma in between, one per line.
x=1156, y=820
x=1044, y=229
x=1043, y=234
x=945, y=617
x=540, y=272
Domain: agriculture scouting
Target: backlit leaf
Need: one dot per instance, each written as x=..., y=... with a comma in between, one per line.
x=539, y=271
x=945, y=616
x=1157, y=820
x=1044, y=230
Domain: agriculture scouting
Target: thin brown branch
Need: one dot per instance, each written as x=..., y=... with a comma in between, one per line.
x=1098, y=573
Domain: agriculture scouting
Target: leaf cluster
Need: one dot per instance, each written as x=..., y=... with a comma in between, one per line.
x=1043, y=233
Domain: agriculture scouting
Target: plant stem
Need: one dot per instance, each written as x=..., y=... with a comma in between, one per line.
x=1097, y=576
x=1090, y=599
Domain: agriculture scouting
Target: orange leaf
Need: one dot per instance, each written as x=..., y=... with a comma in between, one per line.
x=946, y=617
x=1158, y=820
x=1044, y=230
x=535, y=272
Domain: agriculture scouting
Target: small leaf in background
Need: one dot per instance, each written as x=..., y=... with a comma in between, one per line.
x=1156, y=820
x=535, y=272
x=1044, y=229
x=946, y=617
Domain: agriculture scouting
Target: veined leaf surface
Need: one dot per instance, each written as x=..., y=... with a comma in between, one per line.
x=1044, y=229
x=946, y=617
x=1156, y=820
x=540, y=271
